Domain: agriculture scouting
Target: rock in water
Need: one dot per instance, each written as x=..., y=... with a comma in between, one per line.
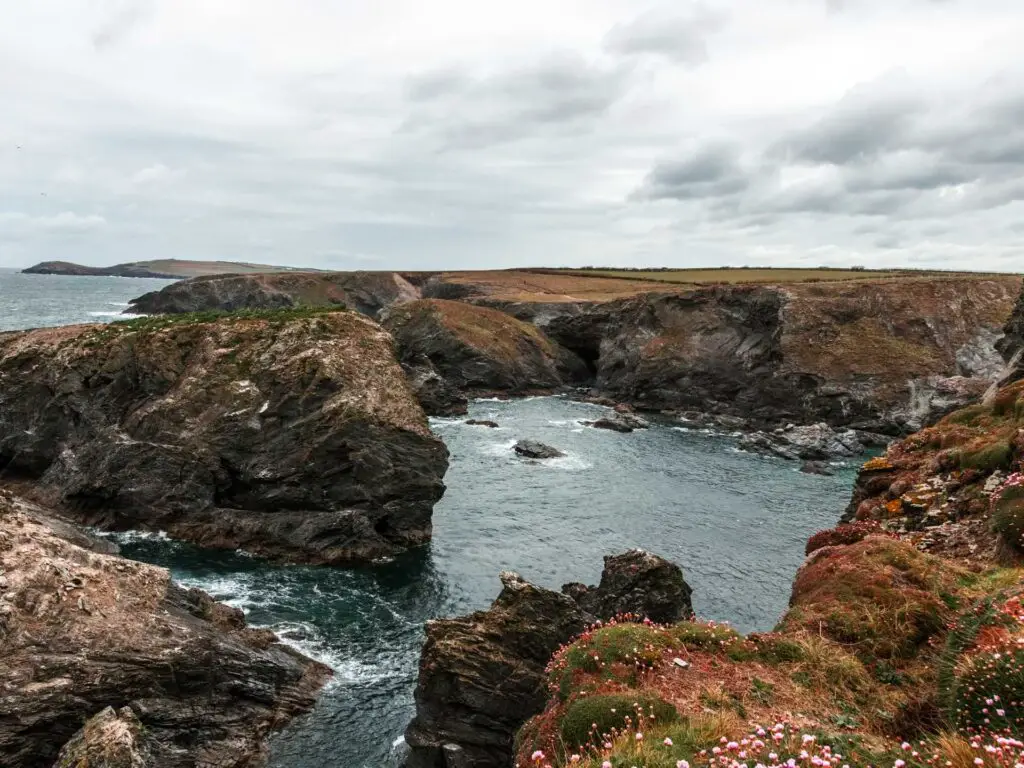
x=815, y=442
x=291, y=434
x=477, y=423
x=475, y=351
x=817, y=468
x=482, y=676
x=531, y=449
x=205, y=689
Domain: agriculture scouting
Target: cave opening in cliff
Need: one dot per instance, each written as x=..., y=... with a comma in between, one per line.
x=590, y=354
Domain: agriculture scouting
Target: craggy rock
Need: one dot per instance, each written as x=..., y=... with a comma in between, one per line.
x=452, y=350
x=638, y=583
x=531, y=449
x=815, y=442
x=482, y=676
x=293, y=434
x=479, y=423
x=365, y=292
x=169, y=677
x=871, y=355
x=621, y=421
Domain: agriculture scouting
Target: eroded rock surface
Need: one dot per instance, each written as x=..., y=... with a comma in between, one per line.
x=365, y=292
x=482, y=676
x=165, y=677
x=532, y=449
x=294, y=434
x=452, y=350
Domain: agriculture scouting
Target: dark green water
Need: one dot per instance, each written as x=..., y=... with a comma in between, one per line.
x=735, y=522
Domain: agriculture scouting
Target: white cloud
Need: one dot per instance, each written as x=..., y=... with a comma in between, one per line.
x=467, y=134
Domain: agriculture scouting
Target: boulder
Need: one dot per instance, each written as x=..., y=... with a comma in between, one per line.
x=291, y=434
x=621, y=421
x=817, y=468
x=482, y=676
x=484, y=423
x=475, y=351
x=165, y=677
x=531, y=449
x=365, y=292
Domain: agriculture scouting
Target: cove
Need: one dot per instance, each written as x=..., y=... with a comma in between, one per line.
x=735, y=522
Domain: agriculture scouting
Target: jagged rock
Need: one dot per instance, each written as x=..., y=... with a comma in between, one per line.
x=845, y=352
x=531, y=449
x=817, y=468
x=484, y=423
x=205, y=690
x=476, y=351
x=622, y=421
x=482, y=676
x=294, y=435
x=638, y=583
x=815, y=442
x=365, y=292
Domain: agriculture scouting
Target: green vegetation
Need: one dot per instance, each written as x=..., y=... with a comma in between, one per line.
x=1008, y=516
x=700, y=276
x=988, y=458
x=589, y=719
x=634, y=646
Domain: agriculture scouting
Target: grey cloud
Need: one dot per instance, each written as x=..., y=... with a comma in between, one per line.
x=709, y=171
x=677, y=32
x=559, y=93
x=122, y=17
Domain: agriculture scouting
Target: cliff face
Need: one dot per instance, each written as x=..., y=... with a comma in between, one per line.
x=365, y=292
x=884, y=355
x=453, y=350
x=290, y=434
x=81, y=631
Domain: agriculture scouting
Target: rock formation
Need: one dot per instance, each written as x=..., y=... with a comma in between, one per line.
x=482, y=676
x=452, y=350
x=365, y=292
x=166, y=269
x=161, y=676
x=882, y=356
x=532, y=449
x=291, y=434
x=814, y=442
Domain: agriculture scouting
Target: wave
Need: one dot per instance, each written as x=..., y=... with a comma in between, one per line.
x=104, y=314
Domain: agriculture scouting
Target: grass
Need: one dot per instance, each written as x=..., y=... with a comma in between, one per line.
x=699, y=276
x=596, y=718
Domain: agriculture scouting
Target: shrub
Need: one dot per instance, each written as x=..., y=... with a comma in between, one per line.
x=588, y=720
x=988, y=458
x=843, y=534
x=617, y=651
x=1008, y=516
x=968, y=416
x=989, y=693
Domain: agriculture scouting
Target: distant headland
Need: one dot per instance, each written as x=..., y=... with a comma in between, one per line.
x=170, y=269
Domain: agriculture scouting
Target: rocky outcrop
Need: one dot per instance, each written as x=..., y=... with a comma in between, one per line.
x=161, y=676
x=883, y=356
x=531, y=449
x=814, y=442
x=168, y=269
x=452, y=350
x=482, y=676
x=291, y=434
x=365, y=292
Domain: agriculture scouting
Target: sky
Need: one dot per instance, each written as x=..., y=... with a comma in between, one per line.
x=461, y=134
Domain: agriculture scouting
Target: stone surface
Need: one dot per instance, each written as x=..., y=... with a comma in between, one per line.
x=84, y=631
x=482, y=676
x=454, y=350
x=365, y=292
x=482, y=423
x=814, y=442
x=817, y=468
x=294, y=435
x=531, y=449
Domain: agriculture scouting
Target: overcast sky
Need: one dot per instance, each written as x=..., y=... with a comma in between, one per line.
x=364, y=134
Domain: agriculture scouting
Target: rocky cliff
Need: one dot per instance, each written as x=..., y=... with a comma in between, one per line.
x=170, y=269
x=82, y=631
x=366, y=292
x=884, y=356
x=291, y=434
x=482, y=676
x=452, y=350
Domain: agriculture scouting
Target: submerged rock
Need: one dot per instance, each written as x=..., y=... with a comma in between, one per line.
x=479, y=423
x=454, y=350
x=817, y=468
x=531, y=449
x=482, y=676
x=82, y=632
x=291, y=434
x=622, y=421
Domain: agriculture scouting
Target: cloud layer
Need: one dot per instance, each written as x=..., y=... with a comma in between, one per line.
x=460, y=134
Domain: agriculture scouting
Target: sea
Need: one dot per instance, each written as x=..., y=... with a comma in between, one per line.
x=736, y=523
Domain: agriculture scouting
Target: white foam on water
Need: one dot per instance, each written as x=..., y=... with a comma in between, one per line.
x=236, y=592
x=503, y=448
x=131, y=537
x=568, y=463
x=104, y=314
